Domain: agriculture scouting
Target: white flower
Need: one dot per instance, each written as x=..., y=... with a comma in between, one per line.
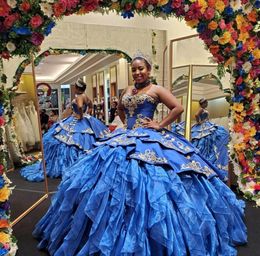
x=114, y=1
x=186, y=7
x=12, y=3
x=150, y=7
x=246, y=126
x=258, y=202
x=49, y=1
x=237, y=138
x=247, y=8
x=247, y=66
x=46, y=9
x=10, y=46
x=236, y=5
x=215, y=38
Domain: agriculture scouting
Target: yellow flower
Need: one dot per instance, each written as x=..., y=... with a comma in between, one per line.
x=238, y=107
x=225, y=38
x=220, y=6
x=229, y=61
x=256, y=53
x=162, y=2
x=115, y=6
x=192, y=23
x=240, y=146
x=240, y=21
x=203, y=5
x=243, y=37
x=4, y=238
x=4, y=194
x=252, y=132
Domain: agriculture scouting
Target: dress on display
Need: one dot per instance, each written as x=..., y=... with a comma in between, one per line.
x=142, y=192
x=64, y=143
x=211, y=140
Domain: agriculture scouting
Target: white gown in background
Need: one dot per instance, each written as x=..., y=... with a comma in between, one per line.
x=32, y=114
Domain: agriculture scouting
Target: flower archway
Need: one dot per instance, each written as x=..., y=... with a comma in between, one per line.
x=229, y=29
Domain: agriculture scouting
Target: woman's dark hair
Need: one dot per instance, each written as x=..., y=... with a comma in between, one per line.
x=201, y=101
x=80, y=85
x=147, y=64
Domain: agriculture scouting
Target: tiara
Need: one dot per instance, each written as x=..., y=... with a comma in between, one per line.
x=80, y=83
x=141, y=55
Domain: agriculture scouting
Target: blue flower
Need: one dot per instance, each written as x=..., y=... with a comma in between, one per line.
x=201, y=27
x=48, y=29
x=167, y=8
x=238, y=98
x=257, y=4
x=22, y=31
x=240, y=46
x=241, y=72
x=229, y=11
x=251, y=57
x=241, y=87
x=127, y=14
x=1, y=109
x=3, y=252
x=2, y=182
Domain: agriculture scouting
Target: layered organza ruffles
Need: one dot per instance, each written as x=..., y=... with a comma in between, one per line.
x=63, y=144
x=118, y=200
x=212, y=142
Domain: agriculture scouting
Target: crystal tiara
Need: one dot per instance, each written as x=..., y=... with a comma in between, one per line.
x=141, y=55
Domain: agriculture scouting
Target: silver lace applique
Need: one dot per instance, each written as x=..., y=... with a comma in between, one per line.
x=196, y=166
x=150, y=157
x=88, y=130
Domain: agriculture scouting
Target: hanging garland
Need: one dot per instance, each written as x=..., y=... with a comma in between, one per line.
x=229, y=30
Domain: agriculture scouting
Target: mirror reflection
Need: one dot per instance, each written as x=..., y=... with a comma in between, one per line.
x=209, y=113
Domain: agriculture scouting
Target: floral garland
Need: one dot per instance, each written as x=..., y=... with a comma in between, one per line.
x=228, y=28
x=7, y=241
x=38, y=59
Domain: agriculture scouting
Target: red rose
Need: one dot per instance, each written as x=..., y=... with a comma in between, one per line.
x=257, y=187
x=176, y=4
x=10, y=20
x=1, y=167
x=5, y=55
x=25, y=6
x=2, y=121
x=36, y=21
x=209, y=13
x=4, y=8
x=58, y=9
x=239, y=80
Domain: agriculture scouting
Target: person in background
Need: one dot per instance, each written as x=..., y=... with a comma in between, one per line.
x=53, y=118
x=44, y=120
x=67, y=140
x=112, y=111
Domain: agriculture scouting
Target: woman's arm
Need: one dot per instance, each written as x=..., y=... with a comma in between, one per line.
x=120, y=107
x=67, y=112
x=166, y=97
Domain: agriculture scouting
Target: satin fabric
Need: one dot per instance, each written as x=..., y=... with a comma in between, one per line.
x=142, y=192
x=63, y=144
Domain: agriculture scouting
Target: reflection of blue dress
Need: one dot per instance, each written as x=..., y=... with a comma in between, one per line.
x=64, y=143
x=211, y=140
x=142, y=192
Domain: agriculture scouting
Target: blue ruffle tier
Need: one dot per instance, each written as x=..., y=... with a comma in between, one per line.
x=142, y=193
x=63, y=144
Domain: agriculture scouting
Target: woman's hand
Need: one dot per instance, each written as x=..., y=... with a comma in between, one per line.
x=149, y=123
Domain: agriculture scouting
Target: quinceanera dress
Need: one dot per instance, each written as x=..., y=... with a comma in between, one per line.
x=64, y=143
x=142, y=192
x=211, y=140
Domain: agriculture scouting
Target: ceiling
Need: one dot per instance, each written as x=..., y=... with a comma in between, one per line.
x=66, y=68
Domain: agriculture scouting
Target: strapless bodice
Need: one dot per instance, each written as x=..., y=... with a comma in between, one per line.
x=204, y=115
x=138, y=107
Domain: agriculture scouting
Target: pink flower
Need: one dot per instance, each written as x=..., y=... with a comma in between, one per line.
x=36, y=21
x=222, y=24
x=1, y=167
x=36, y=38
x=209, y=13
x=4, y=8
x=2, y=121
x=176, y=4
x=5, y=55
x=58, y=9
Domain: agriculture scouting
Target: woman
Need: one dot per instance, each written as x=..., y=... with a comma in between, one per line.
x=143, y=191
x=209, y=138
x=67, y=140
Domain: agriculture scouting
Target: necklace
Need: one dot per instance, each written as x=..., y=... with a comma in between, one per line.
x=142, y=85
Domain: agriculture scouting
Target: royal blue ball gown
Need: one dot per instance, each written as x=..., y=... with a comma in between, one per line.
x=64, y=143
x=211, y=140
x=142, y=192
